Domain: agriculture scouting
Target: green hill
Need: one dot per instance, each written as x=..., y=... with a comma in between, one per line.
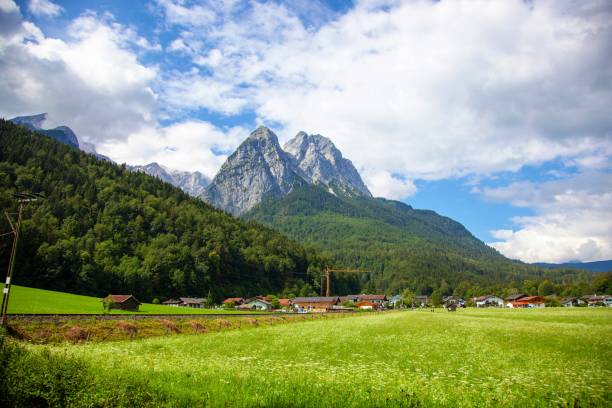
x=24, y=300
x=103, y=229
x=404, y=247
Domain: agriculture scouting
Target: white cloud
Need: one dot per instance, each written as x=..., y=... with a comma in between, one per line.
x=384, y=184
x=432, y=89
x=93, y=81
x=573, y=219
x=44, y=8
x=189, y=146
x=8, y=6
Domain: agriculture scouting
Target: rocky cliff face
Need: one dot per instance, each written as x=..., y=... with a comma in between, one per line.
x=323, y=164
x=193, y=184
x=61, y=133
x=258, y=169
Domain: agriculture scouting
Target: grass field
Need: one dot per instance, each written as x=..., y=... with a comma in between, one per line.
x=39, y=301
x=490, y=358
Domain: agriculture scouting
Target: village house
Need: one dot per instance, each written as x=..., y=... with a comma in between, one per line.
x=197, y=303
x=422, y=301
x=602, y=300
x=256, y=303
x=122, y=302
x=488, y=301
x=379, y=300
x=448, y=301
x=315, y=304
x=513, y=298
x=527, y=302
x=367, y=305
x=572, y=302
x=236, y=301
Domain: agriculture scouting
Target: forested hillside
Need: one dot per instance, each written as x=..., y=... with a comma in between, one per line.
x=102, y=228
x=406, y=248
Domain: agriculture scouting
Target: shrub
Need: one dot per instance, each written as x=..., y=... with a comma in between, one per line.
x=127, y=328
x=197, y=326
x=170, y=326
x=76, y=334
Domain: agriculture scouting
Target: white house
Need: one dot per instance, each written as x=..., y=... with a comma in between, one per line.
x=489, y=301
x=572, y=302
x=256, y=303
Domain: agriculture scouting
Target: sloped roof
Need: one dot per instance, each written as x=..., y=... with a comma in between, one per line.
x=171, y=302
x=285, y=302
x=323, y=299
x=515, y=297
x=233, y=300
x=481, y=298
x=192, y=300
x=258, y=299
x=120, y=298
x=372, y=297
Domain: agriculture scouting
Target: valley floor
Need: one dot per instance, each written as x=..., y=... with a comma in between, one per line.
x=490, y=358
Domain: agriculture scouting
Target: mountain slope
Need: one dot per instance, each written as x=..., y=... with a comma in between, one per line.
x=193, y=184
x=404, y=247
x=102, y=228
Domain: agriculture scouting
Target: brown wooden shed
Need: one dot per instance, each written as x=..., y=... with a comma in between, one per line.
x=122, y=302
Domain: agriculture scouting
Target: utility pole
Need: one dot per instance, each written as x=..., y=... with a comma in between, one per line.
x=23, y=199
x=328, y=272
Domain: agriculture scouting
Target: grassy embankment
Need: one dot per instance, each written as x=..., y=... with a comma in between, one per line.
x=39, y=301
x=494, y=358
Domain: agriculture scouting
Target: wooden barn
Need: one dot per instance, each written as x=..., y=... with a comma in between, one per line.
x=122, y=302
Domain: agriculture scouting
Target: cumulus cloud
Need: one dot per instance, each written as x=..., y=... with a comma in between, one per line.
x=573, y=219
x=433, y=89
x=384, y=184
x=44, y=8
x=93, y=81
x=188, y=145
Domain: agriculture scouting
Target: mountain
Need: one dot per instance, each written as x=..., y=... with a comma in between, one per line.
x=597, y=266
x=62, y=134
x=323, y=164
x=193, y=184
x=403, y=247
x=258, y=169
x=101, y=229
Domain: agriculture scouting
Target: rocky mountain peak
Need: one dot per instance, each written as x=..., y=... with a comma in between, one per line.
x=258, y=169
x=319, y=159
x=193, y=183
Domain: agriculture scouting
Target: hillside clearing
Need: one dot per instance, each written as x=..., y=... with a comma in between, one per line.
x=39, y=301
x=550, y=357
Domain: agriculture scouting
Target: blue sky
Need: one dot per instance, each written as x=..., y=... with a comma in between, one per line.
x=496, y=114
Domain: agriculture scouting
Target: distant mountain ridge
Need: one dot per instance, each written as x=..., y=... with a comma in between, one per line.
x=61, y=133
x=260, y=169
x=193, y=183
x=596, y=266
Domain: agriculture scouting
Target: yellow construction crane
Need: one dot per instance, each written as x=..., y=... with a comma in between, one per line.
x=328, y=271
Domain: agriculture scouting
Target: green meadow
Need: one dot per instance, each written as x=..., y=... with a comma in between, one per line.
x=472, y=358
x=39, y=301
